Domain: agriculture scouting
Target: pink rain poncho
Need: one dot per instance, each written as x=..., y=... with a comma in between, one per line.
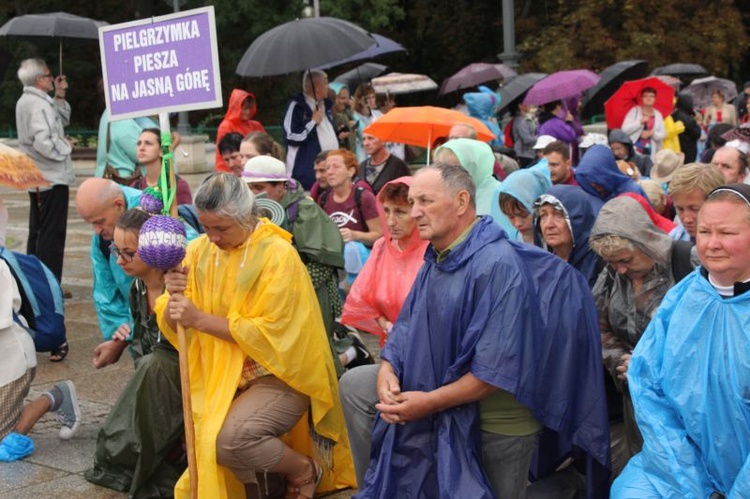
x=381, y=288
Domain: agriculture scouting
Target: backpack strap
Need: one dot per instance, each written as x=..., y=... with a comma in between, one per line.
x=323, y=198
x=681, y=264
x=358, y=202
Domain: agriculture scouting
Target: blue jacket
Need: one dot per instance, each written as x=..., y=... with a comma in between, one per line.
x=689, y=378
x=598, y=166
x=301, y=134
x=478, y=311
x=111, y=288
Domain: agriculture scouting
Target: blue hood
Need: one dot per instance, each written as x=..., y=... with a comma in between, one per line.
x=581, y=210
x=528, y=184
x=598, y=166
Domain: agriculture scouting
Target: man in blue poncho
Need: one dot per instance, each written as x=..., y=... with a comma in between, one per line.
x=470, y=331
x=689, y=375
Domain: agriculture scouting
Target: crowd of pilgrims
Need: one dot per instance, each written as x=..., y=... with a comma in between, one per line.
x=622, y=210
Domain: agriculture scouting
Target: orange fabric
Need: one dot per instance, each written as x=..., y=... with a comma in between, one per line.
x=233, y=123
x=386, y=279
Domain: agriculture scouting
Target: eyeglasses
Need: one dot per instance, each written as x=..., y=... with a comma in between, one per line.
x=48, y=75
x=126, y=255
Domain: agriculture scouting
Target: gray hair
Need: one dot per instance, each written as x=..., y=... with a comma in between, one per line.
x=310, y=76
x=472, y=131
x=225, y=195
x=30, y=70
x=456, y=178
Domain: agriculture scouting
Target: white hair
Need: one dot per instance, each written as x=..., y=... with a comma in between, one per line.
x=30, y=70
x=226, y=195
x=309, y=76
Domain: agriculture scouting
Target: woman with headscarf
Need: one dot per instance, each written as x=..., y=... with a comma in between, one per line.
x=373, y=304
x=260, y=363
x=239, y=118
x=640, y=271
x=563, y=218
x=690, y=373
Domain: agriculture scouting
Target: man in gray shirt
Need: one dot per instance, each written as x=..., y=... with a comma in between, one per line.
x=40, y=120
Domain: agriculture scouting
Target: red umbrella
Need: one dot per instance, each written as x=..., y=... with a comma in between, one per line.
x=629, y=95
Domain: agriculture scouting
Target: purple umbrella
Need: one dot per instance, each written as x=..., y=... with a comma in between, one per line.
x=475, y=74
x=560, y=85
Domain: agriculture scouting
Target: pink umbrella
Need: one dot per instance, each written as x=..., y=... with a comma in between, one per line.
x=560, y=85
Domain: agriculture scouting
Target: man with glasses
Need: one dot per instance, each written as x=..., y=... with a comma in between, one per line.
x=40, y=120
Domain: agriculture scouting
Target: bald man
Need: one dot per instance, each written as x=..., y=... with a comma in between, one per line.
x=100, y=202
x=462, y=131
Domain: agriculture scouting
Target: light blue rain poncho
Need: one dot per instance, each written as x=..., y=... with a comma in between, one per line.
x=479, y=160
x=689, y=379
x=524, y=185
x=483, y=106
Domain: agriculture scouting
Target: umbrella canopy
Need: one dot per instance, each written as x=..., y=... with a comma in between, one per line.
x=609, y=81
x=361, y=74
x=475, y=74
x=302, y=44
x=629, y=96
x=514, y=88
x=18, y=171
x=55, y=25
x=702, y=88
x=673, y=82
x=560, y=85
x=680, y=69
x=420, y=126
x=382, y=46
x=402, y=83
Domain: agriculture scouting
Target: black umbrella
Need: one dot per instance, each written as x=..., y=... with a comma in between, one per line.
x=361, y=74
x=516, y=86
x=611, y=79
x=680, y=69
x=303, y=44
x=53, y=26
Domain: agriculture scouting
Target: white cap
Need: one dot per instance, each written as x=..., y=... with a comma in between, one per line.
x=264, y=169
x=593, y=139
x=543, y=141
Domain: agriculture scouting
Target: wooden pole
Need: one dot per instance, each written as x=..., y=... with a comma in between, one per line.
x=182, y=347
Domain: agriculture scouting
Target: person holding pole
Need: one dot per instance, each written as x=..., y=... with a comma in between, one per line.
x=260, y=365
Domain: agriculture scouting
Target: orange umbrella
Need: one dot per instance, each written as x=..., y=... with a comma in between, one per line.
x=18, y=171
x=420, y=126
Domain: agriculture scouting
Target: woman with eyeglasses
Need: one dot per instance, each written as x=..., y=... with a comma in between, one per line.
x=139, y=448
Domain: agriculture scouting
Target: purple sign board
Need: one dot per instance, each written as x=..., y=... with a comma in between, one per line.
x=161, y=64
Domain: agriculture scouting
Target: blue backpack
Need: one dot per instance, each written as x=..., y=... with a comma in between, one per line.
x=41, y=300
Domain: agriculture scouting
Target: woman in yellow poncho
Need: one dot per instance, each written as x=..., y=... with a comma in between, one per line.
x=263, y=385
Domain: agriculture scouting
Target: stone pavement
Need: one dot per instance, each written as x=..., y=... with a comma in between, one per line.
x=55, y=469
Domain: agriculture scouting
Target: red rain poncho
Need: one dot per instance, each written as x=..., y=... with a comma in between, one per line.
x=233, y=122
x=381, y=288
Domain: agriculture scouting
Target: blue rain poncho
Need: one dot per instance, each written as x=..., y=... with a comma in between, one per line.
x=689, y=378
x=478, y=311
x=598, y=166
x=525, y=185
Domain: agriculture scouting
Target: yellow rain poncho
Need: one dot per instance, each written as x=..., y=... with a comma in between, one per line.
x=265, y=292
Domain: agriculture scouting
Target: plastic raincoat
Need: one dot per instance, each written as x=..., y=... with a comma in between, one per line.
x=264, y=290
x=623, y=314
x=598, y=166
x=580, y=210
x=524, y=185
x=478, y=311
x=689, y=377
x=478, y=159
x=232, y=122
x=386, y=279
x=483, y=105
